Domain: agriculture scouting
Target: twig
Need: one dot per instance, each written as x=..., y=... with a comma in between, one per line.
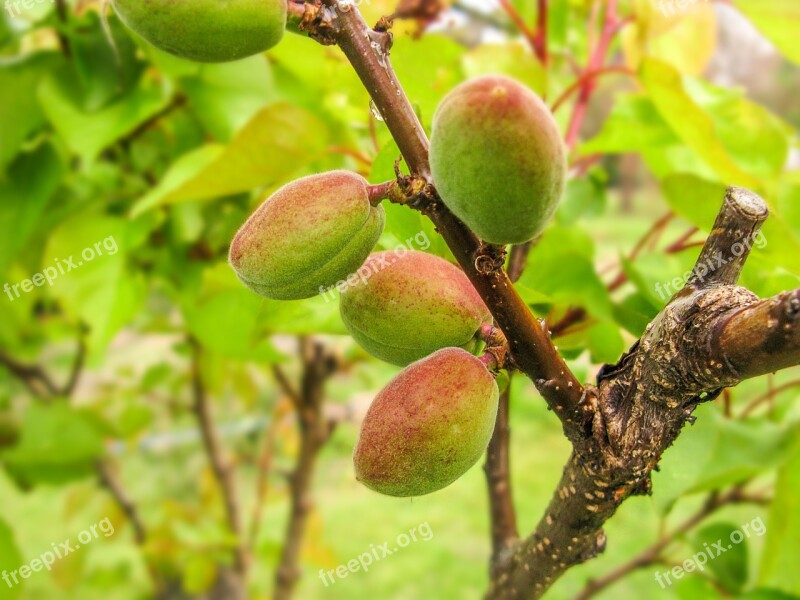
x=586, y=78
x=32, y=376
x=221, y=466
x=502, y=513
x=109, y=480
x=522, y=27
x=611, y=27
x=264, y=469
x=654, y=554
x=531, y=347
x=315, y=430
x=286, y=385
x=770, y=395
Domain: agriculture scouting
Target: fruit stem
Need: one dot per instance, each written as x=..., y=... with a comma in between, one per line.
x=379, y=192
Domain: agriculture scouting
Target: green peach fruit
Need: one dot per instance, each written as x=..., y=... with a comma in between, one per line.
x=206, y=30
x=428, y=426
x=402, y=307
x=498, y=159
x=307, y=236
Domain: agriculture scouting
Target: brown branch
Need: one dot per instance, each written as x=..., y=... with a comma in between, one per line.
x=109, y=480
x=770, y=395
x=586, y=78
x=264, y=469
x=498, y=478
x=760, y=338
x=728, y=247
x=522, y=27
x=315, y=430
x=530, y=344
x=33, y=377
x=286, y=385
x=221, y=465
x=77, y=366
x=177, y=102
x=639, y=408
x=654, y=554
x=497, y=468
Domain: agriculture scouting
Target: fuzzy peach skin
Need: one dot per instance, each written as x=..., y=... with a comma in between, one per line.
x=206, y=30
x=498, y=159
x=408, y=305
x=428, y=426
x=307, y=236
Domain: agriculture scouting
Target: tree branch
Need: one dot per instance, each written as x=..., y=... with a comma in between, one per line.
x=109, y=480
x=760, y=338
x=728, y=247
x=532, y=349
x=654, y=554
x=33, y=377
x=221, y=465
x=315, y=430
x=639, y=408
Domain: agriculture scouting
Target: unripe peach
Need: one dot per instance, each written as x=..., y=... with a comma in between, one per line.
x=498, y=159
x=206, y=30
x=428, y=426
x=307, y=236
x=405, y=306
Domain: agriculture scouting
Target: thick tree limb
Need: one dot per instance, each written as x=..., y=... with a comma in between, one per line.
x=640, y=407
x=532, y=349
x=761, y=338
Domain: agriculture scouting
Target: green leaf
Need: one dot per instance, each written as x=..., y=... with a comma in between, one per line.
x=635, y=125
x=757, y=140
x=782, y=545
x=20, y=114
x=58, y=444
x=104, y=72
x=10, y=560
x=778, y=20
x=696, y=200
x=564, y=271
x=87, y=257
x=690, y=122
x=730, y=567
x=717, y=451
x=226, y=96
x=277, y=142
x=32, y=180
x=427, y=81
x=513, y=59
x=227, y=322
x=634, y=313
x=583, y=198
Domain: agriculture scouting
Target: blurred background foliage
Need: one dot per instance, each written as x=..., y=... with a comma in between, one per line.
x=104, y=137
